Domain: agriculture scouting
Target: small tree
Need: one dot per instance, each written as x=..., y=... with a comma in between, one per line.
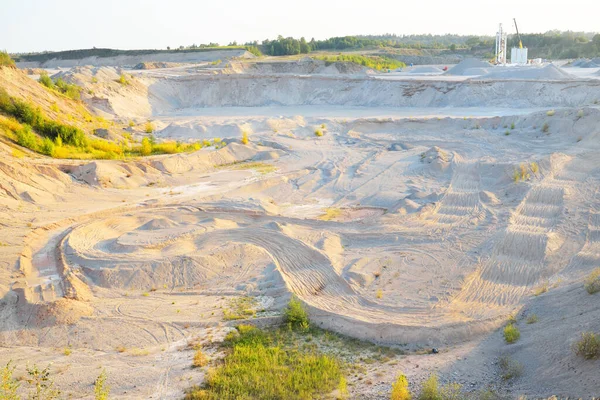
x=295, y=314
x=245, y=137
x=400, y=389
x=101, y=389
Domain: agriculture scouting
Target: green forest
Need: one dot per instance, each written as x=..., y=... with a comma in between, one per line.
x=551, y=45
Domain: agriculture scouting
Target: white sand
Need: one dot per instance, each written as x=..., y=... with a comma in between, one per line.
x=427, y=239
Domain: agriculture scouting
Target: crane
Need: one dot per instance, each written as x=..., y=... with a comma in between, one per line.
x=518, y=34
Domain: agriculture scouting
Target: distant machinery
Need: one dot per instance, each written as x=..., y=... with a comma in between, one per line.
x=518, y=55
x=501, y=40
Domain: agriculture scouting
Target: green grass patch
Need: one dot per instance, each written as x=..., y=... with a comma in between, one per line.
x=259, y=365
x=240, y=308
x=374, y=62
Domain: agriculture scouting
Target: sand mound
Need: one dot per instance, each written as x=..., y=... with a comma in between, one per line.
x=469, y=63
x=115, y=174
x=426, y=70
x=476, y=71
x=158, y=223
x=549, y=72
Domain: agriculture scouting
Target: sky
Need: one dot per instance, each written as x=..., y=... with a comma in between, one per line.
x=54, y=25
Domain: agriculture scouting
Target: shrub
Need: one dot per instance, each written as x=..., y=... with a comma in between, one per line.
x=101, y=389
x=46, y=81
x=146, y=147
x=42, y=385
x=200, y=360
x=532, y=319
x=511, y=333
x=588, y=346
x=545, y=127
x=551, y=113
x=123, y=80
x=244, y=137
x=400, y=389
x=543, y=288
x=8, y=384
x=510, y=368
x=295, y=315
x=579, y=114
x=26, y=138
x=512, y=126
x=149, y=128
x=131, y=124
x=254, y=50
x=592, y=282
x=534, y=167
x=6, y=60
x=318, y=133
x=430, y=390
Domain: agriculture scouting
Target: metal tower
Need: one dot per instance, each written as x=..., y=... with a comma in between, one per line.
x=501, y=40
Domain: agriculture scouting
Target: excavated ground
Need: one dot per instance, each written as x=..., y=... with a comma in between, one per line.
x=400, y=230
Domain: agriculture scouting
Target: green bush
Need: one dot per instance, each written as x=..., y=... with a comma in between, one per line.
x=70, y=90
x=26, y=138
x=400, y=389
x=511, y=333
x=592, y=282
x=295, y=315
x=6, y=60
x=588, y=346
x=46, y=81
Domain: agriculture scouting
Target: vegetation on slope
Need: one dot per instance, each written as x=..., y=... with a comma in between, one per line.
x=69, y=90
x=5, y=60
x=374, y=62
x=28, y=126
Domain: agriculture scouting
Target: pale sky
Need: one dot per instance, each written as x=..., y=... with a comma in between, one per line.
x=37, y=25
